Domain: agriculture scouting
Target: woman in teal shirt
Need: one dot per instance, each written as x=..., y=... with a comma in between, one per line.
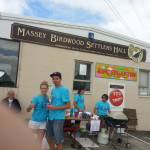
x=102, y=108
x=79, y=105
x=79, y=100
x=39, y=116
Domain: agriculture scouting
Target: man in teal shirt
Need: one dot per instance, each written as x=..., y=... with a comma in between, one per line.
x=59, y=103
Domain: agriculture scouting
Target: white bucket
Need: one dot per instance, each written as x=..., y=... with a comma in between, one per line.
x=120, y=130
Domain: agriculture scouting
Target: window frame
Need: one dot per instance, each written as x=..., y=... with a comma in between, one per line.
x=140, y=86
x=78, y=80
x=15, y=84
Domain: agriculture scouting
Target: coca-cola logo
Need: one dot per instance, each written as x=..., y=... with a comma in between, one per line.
x=116, y=97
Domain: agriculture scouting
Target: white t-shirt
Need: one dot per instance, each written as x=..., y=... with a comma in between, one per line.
x=10, y=102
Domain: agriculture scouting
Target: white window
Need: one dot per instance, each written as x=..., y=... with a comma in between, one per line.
x=144, y=82
x=82, y=75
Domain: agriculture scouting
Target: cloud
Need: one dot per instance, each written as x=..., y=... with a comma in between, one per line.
x=95, y=12
x=99, y=13
x=14, y=6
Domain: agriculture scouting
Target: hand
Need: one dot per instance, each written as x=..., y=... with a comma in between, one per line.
x=51, y=107
x=80, y=110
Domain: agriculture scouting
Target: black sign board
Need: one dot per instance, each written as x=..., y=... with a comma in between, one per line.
x=68, y=41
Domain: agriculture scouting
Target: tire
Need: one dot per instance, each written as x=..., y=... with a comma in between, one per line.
x=119, y=140
x=128, y=145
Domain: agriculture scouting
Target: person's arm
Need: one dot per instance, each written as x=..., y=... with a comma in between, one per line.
x=33, y=104
x=18, y=107
x=75, y=105
x=66, y=106
x=95, y=110
x=29, y=108
x=65, y=99
x=109, y=111
x=76, y=99
x=4, y=101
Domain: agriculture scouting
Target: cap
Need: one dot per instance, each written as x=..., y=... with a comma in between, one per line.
x=56, y=74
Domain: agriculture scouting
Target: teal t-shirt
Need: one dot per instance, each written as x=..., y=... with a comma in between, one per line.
x=60, y=96
x=40, y=112
x=79, y=99
x=102, y=107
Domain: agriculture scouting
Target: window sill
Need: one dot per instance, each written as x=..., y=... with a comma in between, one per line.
x=144, y=96
x=86, y=93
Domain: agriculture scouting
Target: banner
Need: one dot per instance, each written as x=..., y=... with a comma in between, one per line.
x=116, y=72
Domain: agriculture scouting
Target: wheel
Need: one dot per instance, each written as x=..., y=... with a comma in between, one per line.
x=73, y=146
x=128, y=145
x=79, y=146
x=119, y=140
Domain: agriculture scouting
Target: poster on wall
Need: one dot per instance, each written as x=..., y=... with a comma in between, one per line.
x=83, y=69
x=116, y=72
x=116, y=93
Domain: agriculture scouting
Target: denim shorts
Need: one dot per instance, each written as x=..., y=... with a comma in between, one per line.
x=55, y=130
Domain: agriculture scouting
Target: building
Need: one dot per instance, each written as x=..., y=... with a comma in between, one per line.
x=103, y=61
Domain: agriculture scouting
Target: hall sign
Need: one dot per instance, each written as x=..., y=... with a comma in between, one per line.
x=52, y=38
x=116, y=72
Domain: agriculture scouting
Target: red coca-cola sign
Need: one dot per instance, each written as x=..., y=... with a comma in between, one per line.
x=116, y=97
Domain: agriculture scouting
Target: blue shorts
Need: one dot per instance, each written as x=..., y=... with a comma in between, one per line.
x=55, y=130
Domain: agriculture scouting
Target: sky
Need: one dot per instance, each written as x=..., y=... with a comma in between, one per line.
x=127, y=17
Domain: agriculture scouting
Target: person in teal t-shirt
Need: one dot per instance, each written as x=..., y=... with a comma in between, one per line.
x=79, y=106
x=40, y=112
x=102, y=107
x=79, y=99
x=59, y=103
x=38, y=119
x=60, y=96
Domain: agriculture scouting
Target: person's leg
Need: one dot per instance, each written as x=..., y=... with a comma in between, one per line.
x=77, y=128
x=40, y=135
x=77, y=125
x=34, y=131
x=50, y=135
x=58, y=133
x=41, y=131
x=59, y=146
x=51, y=143
x=33, y=126
x=102, y=124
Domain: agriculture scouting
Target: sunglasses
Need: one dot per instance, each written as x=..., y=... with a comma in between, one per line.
x=104, y=97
